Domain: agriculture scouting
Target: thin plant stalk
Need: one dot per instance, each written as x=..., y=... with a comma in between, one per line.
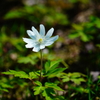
x=41, y=68
x=41, y=57
x=89, y=84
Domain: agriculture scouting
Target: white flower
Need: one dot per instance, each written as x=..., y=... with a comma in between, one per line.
x=39, y=39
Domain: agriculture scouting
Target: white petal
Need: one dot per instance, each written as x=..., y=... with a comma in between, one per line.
x=42, y=46
x=52, y=39
x=48, y=43
x=29, y=45
x=35, y=31
x=42, y=30
x=31, y=34
x=28, y=40
x=36, y=48
x=49, y=33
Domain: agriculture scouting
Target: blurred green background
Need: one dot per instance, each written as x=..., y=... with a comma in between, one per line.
x=77, y=22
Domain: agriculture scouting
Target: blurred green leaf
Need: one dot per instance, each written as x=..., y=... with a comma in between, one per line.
x=48, y=94
x=13, y=14
x=53, y=85
x=51, y=65
x=78, y=80
x=4, y=86
x=51, y=68
x=25, y=60
x=65, y=79
x=29, y=59
x=73, y=35
x=38, y=83
x=20, y=74
x=33, y=75
x=84, y=37
x=38, y=89
x=77, y=27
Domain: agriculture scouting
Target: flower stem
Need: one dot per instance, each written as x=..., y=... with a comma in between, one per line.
x=41, y=57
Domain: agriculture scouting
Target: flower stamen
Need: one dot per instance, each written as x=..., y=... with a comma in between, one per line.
x=40, y=40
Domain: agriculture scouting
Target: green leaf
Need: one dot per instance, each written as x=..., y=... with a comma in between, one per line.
x=73, y=35
x=48, y=94
x=51, y=68
x=98, y=45
x=59, y=97
x=78, y=81
x=38, y=83
x=55, y=72
x=52, y=85
x=29, y=59
x=74, y=75
x=32, y=75
x=38, y=89
x=20, y=74
x=4, y=86
x=3, y=89
x=24, y=60
x=84, y=37
x=77, y=27
x=99, y=77
x=13, y=14
x=65, y=79
x=47, y=65
x=53, y=63
x=81, y=89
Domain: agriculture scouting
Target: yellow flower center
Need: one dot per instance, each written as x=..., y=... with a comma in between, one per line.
x=40, y=40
